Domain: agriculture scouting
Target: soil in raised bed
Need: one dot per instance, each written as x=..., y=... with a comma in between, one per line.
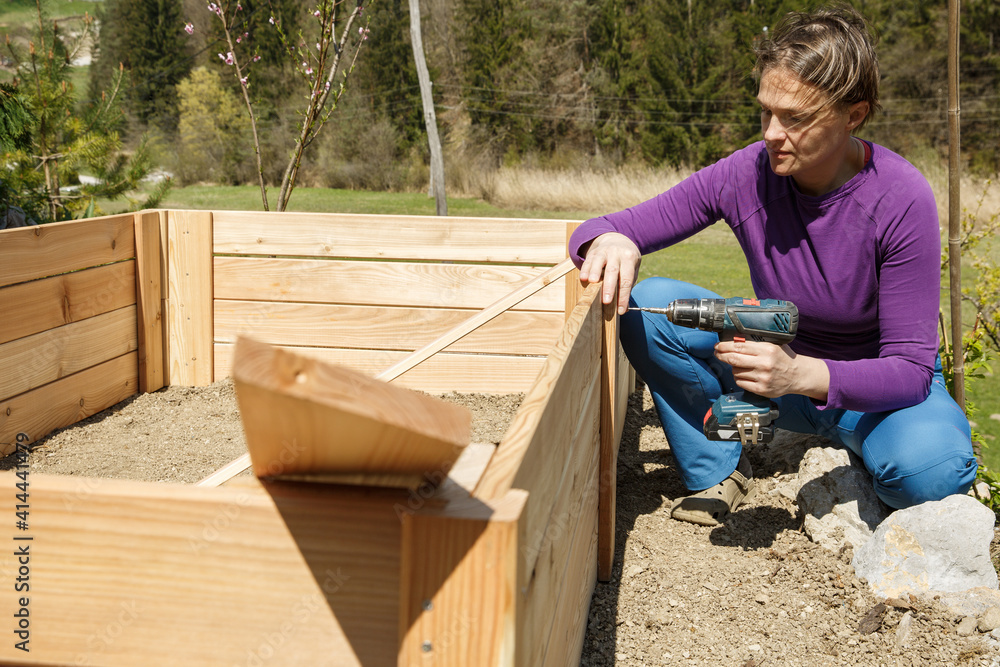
x=753, y=592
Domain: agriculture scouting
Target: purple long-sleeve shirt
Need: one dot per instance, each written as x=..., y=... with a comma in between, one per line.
x=861, y=263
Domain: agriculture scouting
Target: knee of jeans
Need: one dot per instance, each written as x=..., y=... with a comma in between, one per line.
x=950, y=475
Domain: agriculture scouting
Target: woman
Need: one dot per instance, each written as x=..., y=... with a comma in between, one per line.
x=843, y=228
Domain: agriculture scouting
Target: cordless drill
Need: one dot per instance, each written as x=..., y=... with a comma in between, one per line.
x=741, y=415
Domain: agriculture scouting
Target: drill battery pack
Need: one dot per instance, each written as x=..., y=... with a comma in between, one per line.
x=741, y=416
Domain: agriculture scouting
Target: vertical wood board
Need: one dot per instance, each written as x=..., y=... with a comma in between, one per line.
x=459, y=571
x=36, y=306
x=189, y=290
x=64, y=402
x=149, y=297
x=414, y=284
x=390, y=237
x=28, y=363
x=29, y=253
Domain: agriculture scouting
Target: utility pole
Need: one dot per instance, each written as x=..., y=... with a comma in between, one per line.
x=430, y=120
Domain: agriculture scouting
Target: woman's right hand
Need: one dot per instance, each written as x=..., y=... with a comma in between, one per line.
x=615, y=258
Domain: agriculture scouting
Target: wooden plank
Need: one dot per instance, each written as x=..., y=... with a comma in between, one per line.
x=548, y=545
x=533, y=452
x=578, y=578
x=189, y=290
x=33, y=307
x=442, y=373
x=64, y=402
x=131, y=573
x=574, y=290
x=149, y=296
x=29, y=253
x=390, y=237
x=576, y=352
x=36, y=360
x=377, y=283
x=458, y=583
x=610, y=437
x=375, y=327
x=302, y=416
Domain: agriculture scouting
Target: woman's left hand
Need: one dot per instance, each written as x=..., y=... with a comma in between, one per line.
x=774, y=370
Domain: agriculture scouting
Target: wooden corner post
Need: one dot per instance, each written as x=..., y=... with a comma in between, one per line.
x=616, y=385
x=149, y=299
x=189, y=313
x=458, y=583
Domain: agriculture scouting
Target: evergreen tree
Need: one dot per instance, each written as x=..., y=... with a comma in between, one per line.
x=147, y=38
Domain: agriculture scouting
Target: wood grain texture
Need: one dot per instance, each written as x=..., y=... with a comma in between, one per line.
x=610, y=435
x=458, y=581
x=149, y=297
x=302, y=416
x=33, y=361
x=134, y=573
x=377, y=327
x=579, y=339
x=29, y=253
x=390, y=237
x=64, y=402
x=549, y=552
x=377, y=283
x=442, y=373
x=189, y=294
x=33, y=307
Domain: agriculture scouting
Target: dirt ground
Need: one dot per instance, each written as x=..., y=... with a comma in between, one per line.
x=754, y=591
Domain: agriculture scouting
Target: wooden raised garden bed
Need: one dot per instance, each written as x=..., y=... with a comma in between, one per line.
x=493, y=566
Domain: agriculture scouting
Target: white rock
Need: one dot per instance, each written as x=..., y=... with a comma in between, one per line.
x=935, y=546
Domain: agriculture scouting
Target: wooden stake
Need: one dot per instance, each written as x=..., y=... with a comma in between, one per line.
x=540, y=281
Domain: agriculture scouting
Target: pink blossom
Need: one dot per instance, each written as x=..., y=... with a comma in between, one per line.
x=189, y=28
x=256, y=58
x=244, y=82
x=271, y=20
x=364, y=33
x=229, y=59
x=316, y=13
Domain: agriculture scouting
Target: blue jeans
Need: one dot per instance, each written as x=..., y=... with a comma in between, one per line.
x=914, y=454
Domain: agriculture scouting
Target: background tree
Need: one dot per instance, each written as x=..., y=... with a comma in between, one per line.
x=45, y=173
x=147, y=38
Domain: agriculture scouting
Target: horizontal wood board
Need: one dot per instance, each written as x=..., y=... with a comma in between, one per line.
x=29, y=253
x=30, y=362
x=284, y=574
x=411, y=284
x=64, y=402
x=442, y=373
x=390, y=237
x=376, y=327
x=33, y=307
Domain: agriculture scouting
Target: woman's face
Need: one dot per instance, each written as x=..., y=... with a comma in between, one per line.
x=806, y=136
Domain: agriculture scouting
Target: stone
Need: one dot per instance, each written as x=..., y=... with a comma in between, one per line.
x=835, y=493
x=935, y=546
x=966, y=626
x=990, y=621
x=904, y=629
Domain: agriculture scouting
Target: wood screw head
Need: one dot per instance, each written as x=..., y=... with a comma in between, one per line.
x=427, y=605
x=426, y=646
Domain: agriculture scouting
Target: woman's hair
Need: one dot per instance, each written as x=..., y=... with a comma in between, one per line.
x=832, y=48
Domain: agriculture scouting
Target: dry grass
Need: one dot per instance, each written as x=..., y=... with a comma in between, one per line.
x=528, y=188
x=605, y=190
